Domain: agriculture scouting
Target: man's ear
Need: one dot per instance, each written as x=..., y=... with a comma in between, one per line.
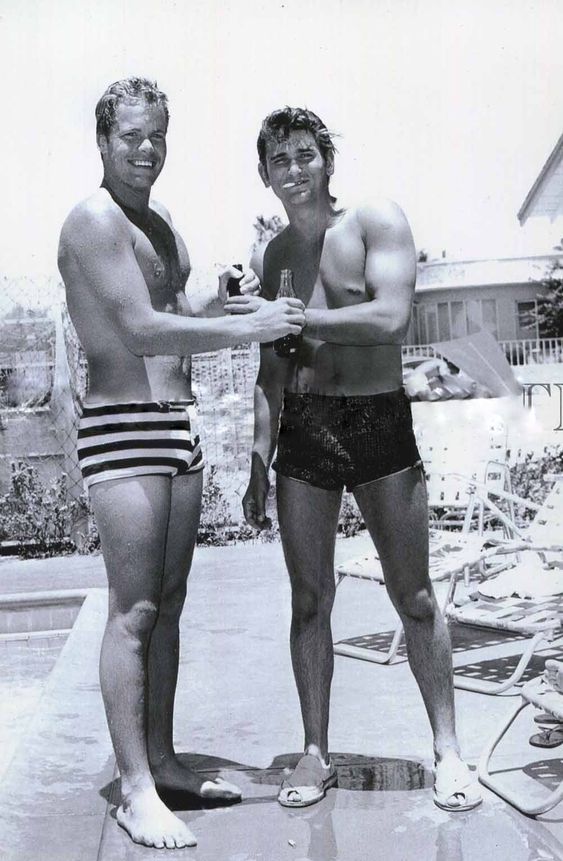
x=263, y=171
x=102, y=142
x=329, y=164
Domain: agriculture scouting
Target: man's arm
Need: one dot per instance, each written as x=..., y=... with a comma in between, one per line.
x=390, y=273
x=97, y=243
x=206, y=302
x=268, y=394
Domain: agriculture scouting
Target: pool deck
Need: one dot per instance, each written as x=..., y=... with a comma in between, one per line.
x=237, y=715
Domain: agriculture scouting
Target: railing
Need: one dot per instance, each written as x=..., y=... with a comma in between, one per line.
x=536, y=351
x=418, y=351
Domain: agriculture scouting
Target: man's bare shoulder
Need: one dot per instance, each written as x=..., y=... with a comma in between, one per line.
x=380, y=216
x=95, y=216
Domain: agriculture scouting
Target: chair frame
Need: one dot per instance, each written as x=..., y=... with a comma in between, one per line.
x=451, y=573
x=537, y=694
x=541, y=633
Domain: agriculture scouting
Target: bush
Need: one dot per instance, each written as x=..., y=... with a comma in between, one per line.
x=87, y=539
x=217, y=526
x=215, y=514
x=527, y=476
x=37, y=517
x=350, y=522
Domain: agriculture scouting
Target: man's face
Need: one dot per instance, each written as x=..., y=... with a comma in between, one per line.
x=295, y=168
x=134, y=151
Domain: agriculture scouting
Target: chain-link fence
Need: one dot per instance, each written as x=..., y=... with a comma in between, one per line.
x=43, y=380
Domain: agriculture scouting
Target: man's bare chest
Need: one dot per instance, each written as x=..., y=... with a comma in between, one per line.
x=165, y=274
x=332, y=275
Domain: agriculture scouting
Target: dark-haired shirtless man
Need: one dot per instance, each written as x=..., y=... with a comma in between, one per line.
x=344, y=421
x=125, y=269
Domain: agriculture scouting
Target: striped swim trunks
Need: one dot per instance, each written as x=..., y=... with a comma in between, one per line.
x=129, y=439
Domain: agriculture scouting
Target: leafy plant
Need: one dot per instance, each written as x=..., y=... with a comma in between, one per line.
x=266, y=228
x=548, y=313
x=350, y=522
x=527, y=476
x=39, y=518
x=85, y=532
x=215, y=514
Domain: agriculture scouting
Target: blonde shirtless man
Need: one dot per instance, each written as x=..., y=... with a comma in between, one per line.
x=125, y=270
x=344, y=421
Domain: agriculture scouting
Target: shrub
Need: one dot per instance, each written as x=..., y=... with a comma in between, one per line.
x=527, y=476
x=85, y=533
x=350, y=522
x=39, y=518
x=215, y=514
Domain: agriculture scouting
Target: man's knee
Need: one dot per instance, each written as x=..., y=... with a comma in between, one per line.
x=310, y=602
x=416, y=604
x=136, y=623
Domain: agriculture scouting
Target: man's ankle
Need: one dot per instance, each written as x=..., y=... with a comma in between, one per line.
x=444, y=752
x=130, y=788
x=314, y=750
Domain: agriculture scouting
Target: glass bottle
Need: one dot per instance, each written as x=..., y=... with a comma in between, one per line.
x=289, y=344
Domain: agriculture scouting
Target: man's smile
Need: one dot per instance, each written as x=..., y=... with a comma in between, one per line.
x=294, y=183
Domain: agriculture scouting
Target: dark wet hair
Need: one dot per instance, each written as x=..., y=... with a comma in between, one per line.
x=278, y=125
x=127, y=90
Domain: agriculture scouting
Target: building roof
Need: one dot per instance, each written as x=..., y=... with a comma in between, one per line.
x=443, y=274
x=545, y=197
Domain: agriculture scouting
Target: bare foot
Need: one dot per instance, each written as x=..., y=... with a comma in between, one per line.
x=554, y=674
x=170, y=775
x=148, y=821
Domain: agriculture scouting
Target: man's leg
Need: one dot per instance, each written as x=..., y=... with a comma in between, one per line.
x=308, y=518
x=164, y=647
x=132, y=518
x=395, y=512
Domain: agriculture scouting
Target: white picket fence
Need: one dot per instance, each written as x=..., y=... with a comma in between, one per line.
x=535, y=351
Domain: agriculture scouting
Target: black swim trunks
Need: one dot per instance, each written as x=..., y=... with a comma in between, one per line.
x=334, y=441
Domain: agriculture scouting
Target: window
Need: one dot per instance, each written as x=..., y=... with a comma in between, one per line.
x=489, y=316
x=444, y=321
x=459, y=323
x=527, y=327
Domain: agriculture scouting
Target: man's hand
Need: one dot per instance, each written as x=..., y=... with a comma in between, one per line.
x=254, y=500
x=270, y=320
x=243, y=304
x=249, y=283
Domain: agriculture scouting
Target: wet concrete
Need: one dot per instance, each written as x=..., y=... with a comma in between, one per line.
x=238, y=716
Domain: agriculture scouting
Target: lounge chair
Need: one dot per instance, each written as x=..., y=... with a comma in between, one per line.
x=527, y=600
x=459, y=504
x=453, y=502
x=539, y=694
x=452, y=554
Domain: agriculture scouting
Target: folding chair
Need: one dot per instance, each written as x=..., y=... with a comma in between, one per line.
x=451, y=553
x=539, y=694
x=538, y=617
x=455, y=502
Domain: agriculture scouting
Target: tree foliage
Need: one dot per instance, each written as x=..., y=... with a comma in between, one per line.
x=548, y=313
x=266, y=228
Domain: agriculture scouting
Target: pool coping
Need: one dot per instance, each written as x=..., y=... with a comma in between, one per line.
x=54, y=598
x=50, y=792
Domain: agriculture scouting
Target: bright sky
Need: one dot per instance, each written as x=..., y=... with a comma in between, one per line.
x=450, y=108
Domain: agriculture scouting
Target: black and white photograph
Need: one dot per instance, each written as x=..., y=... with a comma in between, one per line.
x=281, y=430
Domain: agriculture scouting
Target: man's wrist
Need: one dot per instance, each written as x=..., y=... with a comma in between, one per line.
x=259, y=469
